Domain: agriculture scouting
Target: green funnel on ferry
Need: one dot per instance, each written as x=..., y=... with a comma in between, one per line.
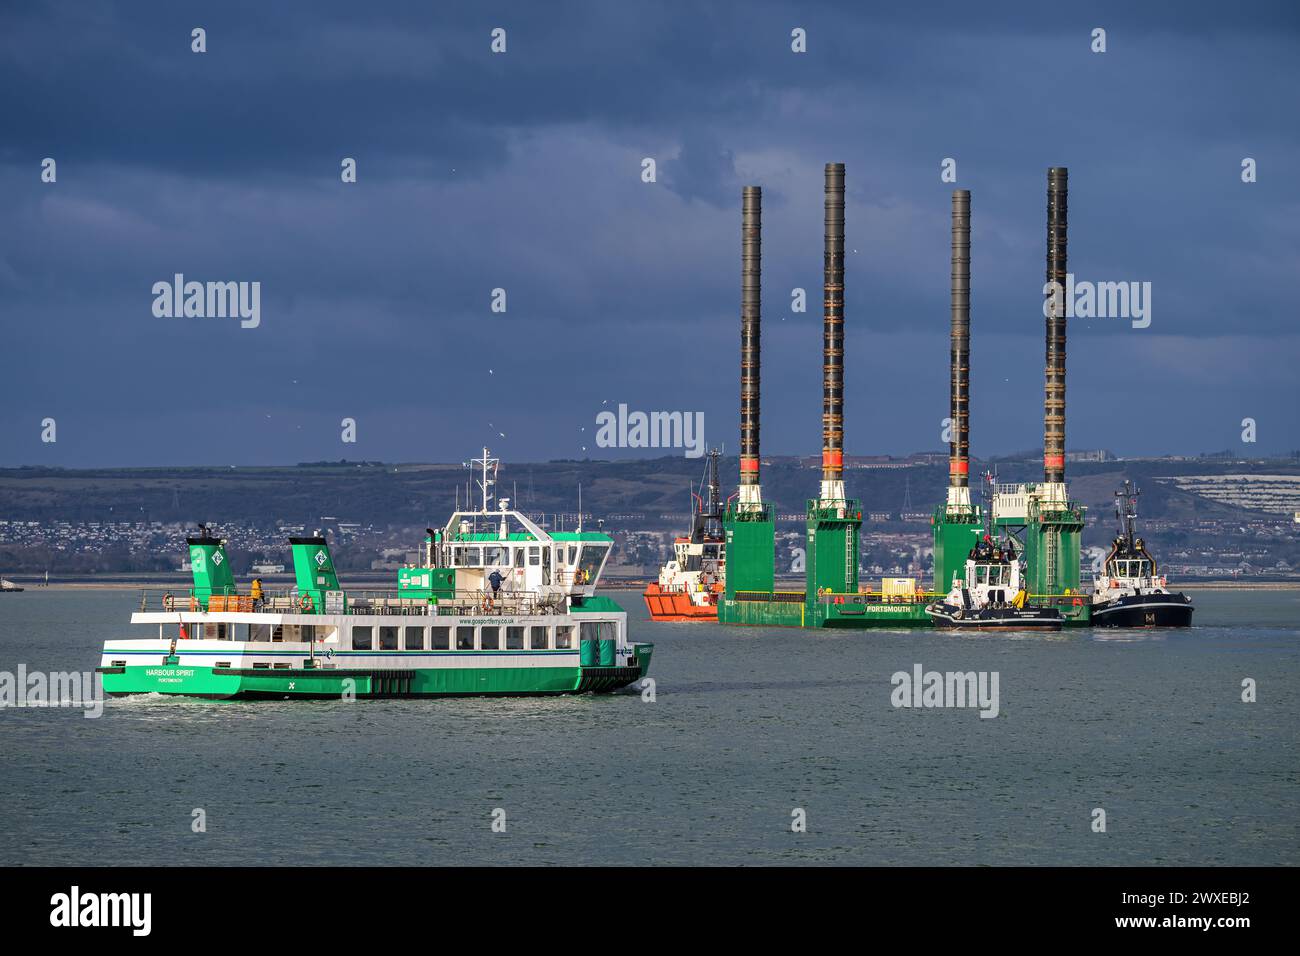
x=313, y=570
x=210, y=566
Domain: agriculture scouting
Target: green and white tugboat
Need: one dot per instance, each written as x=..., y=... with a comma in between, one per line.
x=498, y=606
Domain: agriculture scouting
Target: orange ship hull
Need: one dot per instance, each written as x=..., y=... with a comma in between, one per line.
x=676, y=606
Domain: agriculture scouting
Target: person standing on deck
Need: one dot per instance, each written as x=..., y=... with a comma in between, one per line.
x=495, y=580
x=256, y=593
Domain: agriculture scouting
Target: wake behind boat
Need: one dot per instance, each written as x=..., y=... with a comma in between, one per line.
x=498, y=606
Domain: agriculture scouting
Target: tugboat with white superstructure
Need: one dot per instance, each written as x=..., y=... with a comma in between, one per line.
x=990, y=593
x=689, y=584
x=1129, y=592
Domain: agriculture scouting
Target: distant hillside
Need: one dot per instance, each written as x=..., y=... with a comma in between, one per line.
x=416, y=494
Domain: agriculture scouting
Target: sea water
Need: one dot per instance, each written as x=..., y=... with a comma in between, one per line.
x=759, y=746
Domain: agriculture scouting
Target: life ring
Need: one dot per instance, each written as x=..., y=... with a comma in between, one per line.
x=169, y=602
x=958, y=614
x=487, y=602
x=1078, y=602
x=306, y=604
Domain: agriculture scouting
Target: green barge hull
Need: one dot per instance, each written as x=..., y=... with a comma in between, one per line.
x=790, y=609
x=853, y=611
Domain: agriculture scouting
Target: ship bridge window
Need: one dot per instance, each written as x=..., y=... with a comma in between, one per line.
x=519, y=557
x=496, y=556
x=590, y=559
x=464, y=557
x=534, y=557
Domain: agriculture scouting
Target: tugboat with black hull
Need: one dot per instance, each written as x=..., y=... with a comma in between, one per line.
x=990, y=593
x=1129, y=593
x=991, y=596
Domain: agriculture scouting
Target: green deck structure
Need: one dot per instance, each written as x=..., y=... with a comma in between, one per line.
x=832, y=554
x=210, y=567
x=955, y=533
x=313, y=570
x=1052, y=559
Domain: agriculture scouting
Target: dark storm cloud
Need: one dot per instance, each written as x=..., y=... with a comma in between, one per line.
x=522, y=171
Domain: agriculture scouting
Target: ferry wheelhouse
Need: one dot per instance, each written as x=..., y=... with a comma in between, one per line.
x=497, y=606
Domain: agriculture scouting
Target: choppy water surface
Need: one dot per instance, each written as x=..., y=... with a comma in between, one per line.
x=748, y=725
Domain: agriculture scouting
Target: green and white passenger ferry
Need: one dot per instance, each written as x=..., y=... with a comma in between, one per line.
x=445, y=631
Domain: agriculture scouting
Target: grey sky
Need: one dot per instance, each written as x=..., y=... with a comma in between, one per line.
x=522, y=171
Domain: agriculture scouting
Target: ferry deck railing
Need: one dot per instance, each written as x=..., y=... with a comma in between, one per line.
x=380, y=602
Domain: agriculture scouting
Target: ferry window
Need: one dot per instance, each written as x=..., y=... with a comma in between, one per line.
x=439, y=638
x=361, y=637
x=490, y=638
x=415, y=638
x=514, y=638
x=473, y=557
x=564, y=637
x=590, y=630
x=388, y=638
x=534, y=557
x=519, y=557
x=573, y=554
x=464, y=638
x=496, y=556
x=590, y=560
x=546, y=565
x=537, y=634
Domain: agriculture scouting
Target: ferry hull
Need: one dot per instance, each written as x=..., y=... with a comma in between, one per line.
x=676, y=606
x=308, y=683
